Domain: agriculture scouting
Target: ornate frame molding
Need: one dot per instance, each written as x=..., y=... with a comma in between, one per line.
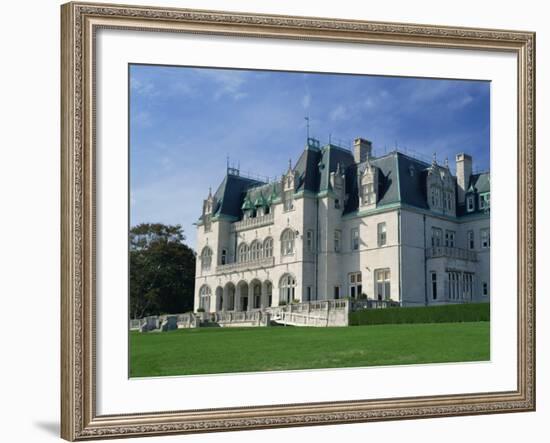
x=79, y=420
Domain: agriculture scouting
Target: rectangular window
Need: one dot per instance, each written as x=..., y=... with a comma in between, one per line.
x=470, y=203
x=355, y=285
x=449, y=200
x=485, y=238
x=337, y=240
x=471, y=243
x=382, y=278
x=484, y=201
x=309, y=240
x=355, y=239
x=288, y=204
x=436, y=237
x=434, y=286
x=485, y=289
x=308, y=293
x=336, y=292
x=450, y=239
x=336, y=203
x=368, y=194
x=381, y=234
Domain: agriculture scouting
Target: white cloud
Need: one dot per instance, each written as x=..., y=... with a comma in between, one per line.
x=143, y=119
x=339, y=113
x=461, y=102
x=143, y=87
x=229, y=83
x=306, y=101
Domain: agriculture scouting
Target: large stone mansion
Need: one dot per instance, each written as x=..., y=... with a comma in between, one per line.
x=342, y=223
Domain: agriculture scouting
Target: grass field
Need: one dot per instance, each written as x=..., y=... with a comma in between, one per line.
x=223, y=350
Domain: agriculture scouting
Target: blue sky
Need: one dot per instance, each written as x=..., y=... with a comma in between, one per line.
x=185, y=122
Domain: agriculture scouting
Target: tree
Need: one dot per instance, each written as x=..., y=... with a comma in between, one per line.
x=162, y=270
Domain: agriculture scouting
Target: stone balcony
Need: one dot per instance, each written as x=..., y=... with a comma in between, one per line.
x=448, y=252
x=246, y=266
x=254, y=222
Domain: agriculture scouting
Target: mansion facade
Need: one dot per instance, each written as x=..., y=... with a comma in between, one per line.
x=342, y=223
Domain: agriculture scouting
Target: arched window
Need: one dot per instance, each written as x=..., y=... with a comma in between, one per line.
x=204, y=294
x=206, y=258
x=255, y=250
x=287, y=242
x=243, y=252
x=287, y=289
x=268, y=247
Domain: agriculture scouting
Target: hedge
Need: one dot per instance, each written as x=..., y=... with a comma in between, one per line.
x=468, y=312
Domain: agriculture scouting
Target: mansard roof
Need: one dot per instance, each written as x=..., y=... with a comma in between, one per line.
x=307, y=170
x=402, y=180
x=230, y=194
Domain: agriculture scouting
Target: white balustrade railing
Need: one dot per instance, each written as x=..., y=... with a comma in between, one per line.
x=447, y=251
x=244, y=266
x=254, y=222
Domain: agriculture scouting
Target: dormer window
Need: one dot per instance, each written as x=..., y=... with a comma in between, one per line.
x=470, y=203
x=484, y=201
x=369, y=197
x=369, y=185
x=288, y=201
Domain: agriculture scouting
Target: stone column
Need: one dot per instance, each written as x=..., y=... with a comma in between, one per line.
x=237, y=303
x=250, y=296
x=225, y=299
x=263, y=296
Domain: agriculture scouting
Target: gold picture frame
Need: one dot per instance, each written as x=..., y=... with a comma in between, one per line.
x=80, y=21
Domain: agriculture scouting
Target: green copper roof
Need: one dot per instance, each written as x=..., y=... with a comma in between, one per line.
x=261, y=201
x=247, y=204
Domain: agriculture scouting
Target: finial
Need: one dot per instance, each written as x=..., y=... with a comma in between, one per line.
x=434, y=159
x=289, y=164
x=210, y=191
x=447, y=162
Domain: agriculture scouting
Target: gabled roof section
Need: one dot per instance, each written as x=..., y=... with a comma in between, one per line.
x=480, y=183
x=331, y=155
x=230, y=194
x=412, y=180
x=307, y=169
x=402, y=179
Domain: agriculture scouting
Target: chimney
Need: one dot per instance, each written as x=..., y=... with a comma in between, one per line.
x=362, y=149
x=463, y=174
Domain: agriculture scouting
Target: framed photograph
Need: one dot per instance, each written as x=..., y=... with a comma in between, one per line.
x=277, y=221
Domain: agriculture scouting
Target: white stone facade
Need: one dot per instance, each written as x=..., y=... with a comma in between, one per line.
x=307, y=244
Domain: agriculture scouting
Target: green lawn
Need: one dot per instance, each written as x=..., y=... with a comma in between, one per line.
x=222, y=350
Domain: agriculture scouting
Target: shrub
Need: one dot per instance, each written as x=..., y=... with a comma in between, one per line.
x=200, y=310
x=469, y=312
